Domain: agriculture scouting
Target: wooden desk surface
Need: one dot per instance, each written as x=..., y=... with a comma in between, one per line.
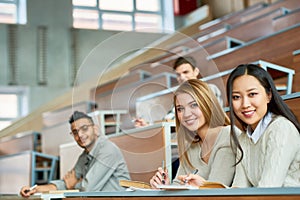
x=210, y=194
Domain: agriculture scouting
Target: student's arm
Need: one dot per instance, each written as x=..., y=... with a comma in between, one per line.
x=25, y=192
x=281, y=147
x=71, y=180
x=45, y=188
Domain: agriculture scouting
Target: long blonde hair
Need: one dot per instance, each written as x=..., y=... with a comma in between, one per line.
x=210, y=107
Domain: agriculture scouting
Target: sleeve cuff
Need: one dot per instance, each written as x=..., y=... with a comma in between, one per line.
x=60, y=184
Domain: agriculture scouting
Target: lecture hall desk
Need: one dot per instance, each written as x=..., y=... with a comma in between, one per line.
x=203, y=194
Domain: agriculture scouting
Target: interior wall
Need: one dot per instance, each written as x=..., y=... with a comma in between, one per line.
x=56, y=16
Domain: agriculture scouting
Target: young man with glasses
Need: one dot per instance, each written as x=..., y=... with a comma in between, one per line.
x=100, y=166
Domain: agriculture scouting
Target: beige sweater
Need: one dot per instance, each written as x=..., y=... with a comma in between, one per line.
x=220, y=166
x=274, y=161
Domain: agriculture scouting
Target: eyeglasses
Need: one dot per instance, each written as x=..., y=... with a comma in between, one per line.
x=83, y=128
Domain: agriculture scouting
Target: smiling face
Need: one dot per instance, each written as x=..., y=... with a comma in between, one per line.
x=186, y=72
x=189, y=113
x=249, y=100
x=85, y=133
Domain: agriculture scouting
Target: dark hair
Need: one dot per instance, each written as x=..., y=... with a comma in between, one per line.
x=79, y=115
x=276, y=104
x=184, y=60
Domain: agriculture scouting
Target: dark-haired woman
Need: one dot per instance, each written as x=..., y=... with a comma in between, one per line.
x=268, y=153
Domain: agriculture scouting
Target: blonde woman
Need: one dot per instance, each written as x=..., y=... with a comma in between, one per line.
x=203, y=135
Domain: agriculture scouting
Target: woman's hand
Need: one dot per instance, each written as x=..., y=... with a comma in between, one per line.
x=161, y=177
x=192, y=179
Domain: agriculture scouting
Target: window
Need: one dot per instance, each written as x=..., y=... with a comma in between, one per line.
x=13, y=104
x=122, y=15
x=13, y=11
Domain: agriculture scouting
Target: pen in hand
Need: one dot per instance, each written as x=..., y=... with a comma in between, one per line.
x=194, y=172
x=33, y=187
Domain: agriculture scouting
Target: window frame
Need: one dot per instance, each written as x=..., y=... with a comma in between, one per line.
x=20, y=12
x=22, y=94
x=165, y=18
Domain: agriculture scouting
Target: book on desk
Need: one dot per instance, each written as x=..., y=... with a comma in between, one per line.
x=206, y=185
x=144, y=185
x=59, y=191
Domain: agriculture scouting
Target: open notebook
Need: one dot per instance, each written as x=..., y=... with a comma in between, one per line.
x=143, y=185
x=206, y=185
